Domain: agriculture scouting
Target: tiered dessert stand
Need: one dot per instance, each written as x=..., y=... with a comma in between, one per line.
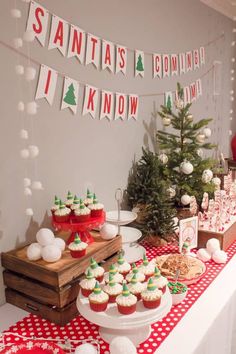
x=136, y=326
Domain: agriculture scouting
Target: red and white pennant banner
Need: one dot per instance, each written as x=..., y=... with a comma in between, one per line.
x=73, y=41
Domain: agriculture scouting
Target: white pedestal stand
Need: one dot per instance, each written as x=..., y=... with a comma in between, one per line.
x=135, y=326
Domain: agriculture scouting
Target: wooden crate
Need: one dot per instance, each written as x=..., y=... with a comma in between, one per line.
x=51, y=289
x=226, y=238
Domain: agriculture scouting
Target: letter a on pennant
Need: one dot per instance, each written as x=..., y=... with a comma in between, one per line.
x=108, y=56
x=76, y=46
x=90, y=100
x=133, y=107
x=46, y=84
x=59, y=34
x=121, y=106
x=38, y=21
x=93, y=50
x=107, y=105
x=70, y=94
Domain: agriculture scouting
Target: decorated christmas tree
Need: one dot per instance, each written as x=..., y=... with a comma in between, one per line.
x=182, y=152
x=70, y=96
x=139, y=65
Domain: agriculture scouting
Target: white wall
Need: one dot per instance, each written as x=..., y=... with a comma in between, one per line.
x=77, y=150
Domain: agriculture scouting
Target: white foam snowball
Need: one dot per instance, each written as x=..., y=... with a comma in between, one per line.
x=33, y=151
x=34, y=251
x=29, y=212
x=27, y=182
x=24, y=153
x=45, y=237
x=51, y=253
x=108, y=231
x=27, y=192
x=30, y=73
x=24, y=134
x=37, y=185
x=19, y=69
x=31, y=108
x=18, y=43
x=21, y=106
x=15, y=13
x=213, y=245
x=59, y=243
x=219, y=256
x=86, y=348
x=122, y=345
x=203, y=255
x=28, y=36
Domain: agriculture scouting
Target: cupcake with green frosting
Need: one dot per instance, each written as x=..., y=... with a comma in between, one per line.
x=56, y=205
x=126, y=302
x=160, y=281
x=62, y=214
x=113, y=289
x=89, y=198
x=98, y=299
x=69, y=199
x=76, y=204
x=135, y=287
x=122, y=266
x=135, y=271
x=147, y=268
x=96, y=207
x=77, y=247
x=96, y=270
x=82, y=214
x=87, y=284
x=118, y=278
x=151, y=297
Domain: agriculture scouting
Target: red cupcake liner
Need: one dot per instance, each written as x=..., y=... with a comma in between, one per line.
x=86, y=292
x=61, y=218
x=100, y=279
x=96, y=213
x=151, y=304
x=78, y=254
x=98, y=307
x=81, y=218
x=126, y=310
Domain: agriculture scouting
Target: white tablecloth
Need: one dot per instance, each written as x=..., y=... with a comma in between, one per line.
x=209, y=327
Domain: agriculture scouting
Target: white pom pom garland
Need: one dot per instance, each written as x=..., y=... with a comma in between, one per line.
x=30, y=73
x=29, y=212
x=19, y=69
x=15, y=13
x=27, y=192
x=27, y=182
x=17, y=43
x=24, y=134
x=21, y=106
x=31, y=108
x=24, y=153
x=28, y=36
x=37, y=185
x=33, y=151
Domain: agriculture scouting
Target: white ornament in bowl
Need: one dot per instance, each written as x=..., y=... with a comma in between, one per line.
x=51, y=253
x=45, y=237
x=34, y=251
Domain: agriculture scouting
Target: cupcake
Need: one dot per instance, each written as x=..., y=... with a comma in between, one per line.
x=113, y=289
x=135, y=287
x=77, y=248
x=96, y=270
x=69, y=199
x=147, y=268
x=76, y=204
x=152, y=296
x=89, y=198
x=122, y=266
x=88, y=284
x=98, y=299
x=140, y=276
x=96, y=208
x=82, y=213
x=126, y=302
x=118, y=278
x=160, y=281
x=56, y=205
x=62, y=214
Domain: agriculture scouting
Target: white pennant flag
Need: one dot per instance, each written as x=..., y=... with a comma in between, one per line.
x=77, y=42
x=182, y=62
x=121, y=106
x=189, y=61
x=107, y=105
x=121, y=59
x=108, y=56
x=46, y=84
x=187, y=95
x=38, y=21
x=196, y=59
x=193, y=91
x=199, y=87
x=157, y=65
x=70, y=94
x=133, y=107
x=93, y=50
x=59, y=34
x=166, y=65
x=139, y=63
x=90, y=100
x=174, y=64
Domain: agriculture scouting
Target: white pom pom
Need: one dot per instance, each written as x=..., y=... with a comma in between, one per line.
x=207, y=132
x=27, y=192
x=122, y=345
x=51, y=253
x=15, y=13
x=108, y=231
x=59, y=243
x=19, y=69
x=29, y=212
x=28, y=36
x=21, y=106
x=30, y=73
x=24, y=153
x=34, y=251
x=33, y=151
x=31, y=108
x=24, y=134
x=219, y=256
x=37, y=185
x=213, y=245
x=18, y=43
x=27, y=182
x=185, y=199
x=203, y=255
x=86, y=348
x=45, y=237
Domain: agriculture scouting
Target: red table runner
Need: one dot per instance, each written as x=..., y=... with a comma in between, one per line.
x=79, y=328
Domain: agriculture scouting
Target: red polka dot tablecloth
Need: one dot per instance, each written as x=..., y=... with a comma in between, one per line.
x=81, y=329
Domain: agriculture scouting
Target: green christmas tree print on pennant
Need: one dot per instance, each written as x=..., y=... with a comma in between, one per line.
x=139, y=65
x=70, y=96
x=168, y=100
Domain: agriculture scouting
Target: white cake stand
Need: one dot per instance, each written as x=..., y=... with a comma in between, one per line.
x=137, y=326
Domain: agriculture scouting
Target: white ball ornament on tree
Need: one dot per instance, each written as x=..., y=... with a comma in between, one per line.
x=186, y=167
x=29, y=36
x=59, y=243
x=189, y=117
x=37, y=185
x=122, y=345
x=30, y=73
x=216, y=181
x=207, y=132
x=212, y=245
x=15, y=13
x=51, y=253
x=34, y=251
x=200, y=152
x=24, y=153
x=185, y=199
x=21, y=106
x=27, y=192
x=203, y=255
x=207, y=176
x=19, y=69
x=24, y=134
x=33, y=151
x=163, y=158
x=219, y=257
x=171, y=192
x=108, y=231
x=166, y=121
x=86, y=348
x=29, y=212
x=17, y=43
x=200, y=138
x=31, y=108
x=45, y=237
